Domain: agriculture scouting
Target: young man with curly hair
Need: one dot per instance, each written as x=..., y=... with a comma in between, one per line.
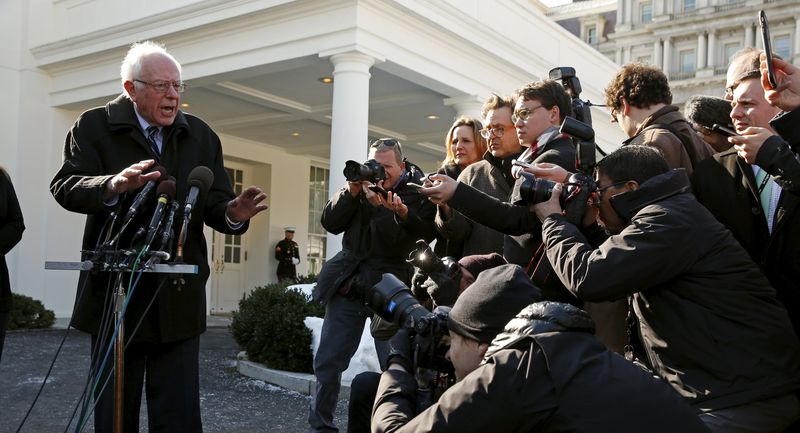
x=640, y=101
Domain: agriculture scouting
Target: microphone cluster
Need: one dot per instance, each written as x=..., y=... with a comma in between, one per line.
x=158, y=233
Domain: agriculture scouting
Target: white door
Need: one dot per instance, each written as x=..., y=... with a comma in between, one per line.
x=228, y=254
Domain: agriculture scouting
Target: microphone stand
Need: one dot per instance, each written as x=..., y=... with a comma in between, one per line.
x=119, y=266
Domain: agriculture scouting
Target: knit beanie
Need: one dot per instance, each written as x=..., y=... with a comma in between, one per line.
x=480, y=262
x=496, y=296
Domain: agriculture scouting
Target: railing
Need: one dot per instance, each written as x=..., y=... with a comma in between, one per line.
x=730, y=6
x=681, y=75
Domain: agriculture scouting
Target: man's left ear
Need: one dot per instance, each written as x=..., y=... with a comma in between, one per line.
x=482, y=348
x=632, y=185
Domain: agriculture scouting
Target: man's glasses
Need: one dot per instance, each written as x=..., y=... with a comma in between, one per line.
x=600, y=191
x=385, y=142
x=163, y=86
x=498, y=131
x=523, y=114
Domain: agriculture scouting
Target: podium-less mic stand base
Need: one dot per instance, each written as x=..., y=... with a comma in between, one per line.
x=87, y=265
x=119, y=344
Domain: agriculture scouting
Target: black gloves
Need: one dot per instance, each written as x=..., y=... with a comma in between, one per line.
x=400, y=350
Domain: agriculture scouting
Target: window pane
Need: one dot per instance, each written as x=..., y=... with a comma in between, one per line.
x=647, y=12
x=687, y=61
x=591, y=35
x=780, y=46
x=688, y=5
x=228, y=254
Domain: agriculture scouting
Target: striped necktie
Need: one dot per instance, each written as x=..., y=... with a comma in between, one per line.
x=152, y=133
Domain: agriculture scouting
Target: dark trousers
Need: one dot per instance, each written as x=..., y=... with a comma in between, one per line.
x=363, y=390
x=169, y=373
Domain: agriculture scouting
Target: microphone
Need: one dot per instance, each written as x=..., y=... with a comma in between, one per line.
x=200, y=180
x=139, y=199
x=166, y=190
x=166, y=232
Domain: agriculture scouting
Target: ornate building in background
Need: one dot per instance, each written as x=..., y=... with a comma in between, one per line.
x=691, y=40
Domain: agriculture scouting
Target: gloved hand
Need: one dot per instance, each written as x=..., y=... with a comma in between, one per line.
x=400, y=350
x=295, y=260
x=417, y=285
x=442, y=289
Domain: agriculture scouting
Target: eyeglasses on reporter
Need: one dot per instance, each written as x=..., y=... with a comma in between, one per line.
x=524, y=113
x=498, y=131
x=163, y=86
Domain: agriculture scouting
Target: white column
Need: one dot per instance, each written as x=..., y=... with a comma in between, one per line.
x=701, y=51
x=712, y=50
x=349, y=120
x=797, y=36
x=628, y=11
x=667, y=68
x=618, y=56
x=658, y=54
x=749, y=35
x=620, y=12
x=466, y=106
x=628, y=54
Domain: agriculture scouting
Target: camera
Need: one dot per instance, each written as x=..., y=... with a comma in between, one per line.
x=371, y=171
x=574, y=196
x=393, y=301
x=572, y=85
x=427, y=262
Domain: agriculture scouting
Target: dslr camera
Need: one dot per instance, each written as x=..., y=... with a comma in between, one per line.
x=575, y=195
x=393, y=301
x=370, y=170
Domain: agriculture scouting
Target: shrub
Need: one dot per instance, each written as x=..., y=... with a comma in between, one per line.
x=28, y=313
x=269, y=326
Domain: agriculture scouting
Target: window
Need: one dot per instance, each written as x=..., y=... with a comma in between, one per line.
x=730, y=50
x=317, y=237
x=646, y=9
x=689, y=5
x=591, y=35
x=686, y=59
x=781, y=46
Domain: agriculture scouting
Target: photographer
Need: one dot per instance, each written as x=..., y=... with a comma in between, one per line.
x=708, y=321
x=545, y=372
x=378, y=232
x=439, y=290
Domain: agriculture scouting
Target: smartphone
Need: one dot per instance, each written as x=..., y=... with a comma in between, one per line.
x=762, y=21
x=719, y=129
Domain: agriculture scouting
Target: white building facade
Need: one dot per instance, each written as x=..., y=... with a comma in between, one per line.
x=255, y=70
x=690, y=40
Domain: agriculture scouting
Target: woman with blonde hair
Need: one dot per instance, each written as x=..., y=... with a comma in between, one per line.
x=465, y=146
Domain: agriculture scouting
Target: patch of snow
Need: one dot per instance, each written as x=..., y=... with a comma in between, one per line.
x=365, y=358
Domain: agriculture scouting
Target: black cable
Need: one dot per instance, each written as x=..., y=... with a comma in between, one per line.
x=49, y=370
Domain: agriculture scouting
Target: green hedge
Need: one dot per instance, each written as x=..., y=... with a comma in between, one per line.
x=28, y=313
x=269, y=326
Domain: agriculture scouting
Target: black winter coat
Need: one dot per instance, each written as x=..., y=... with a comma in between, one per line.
x=104, y=141
x=709, y=321
x=375, y=240
x=11, y=228
x=544, y=373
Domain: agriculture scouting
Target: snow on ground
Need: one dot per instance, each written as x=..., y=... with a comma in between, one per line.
x=365, y=358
